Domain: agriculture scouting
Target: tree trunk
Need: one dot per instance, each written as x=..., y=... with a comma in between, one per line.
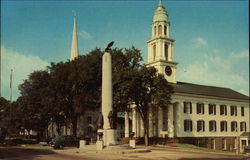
x=74, y=123
x=145, y=123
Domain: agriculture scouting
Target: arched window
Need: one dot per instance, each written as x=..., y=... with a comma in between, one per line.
x=89, y=130
x=159, y=30
x=165, y=30
x=166, y=51
x=154, y=30
x=154, y=51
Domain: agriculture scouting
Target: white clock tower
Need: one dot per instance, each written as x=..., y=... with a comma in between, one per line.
x=161, y=46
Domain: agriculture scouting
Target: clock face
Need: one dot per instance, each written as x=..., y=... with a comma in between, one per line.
x=168, y=70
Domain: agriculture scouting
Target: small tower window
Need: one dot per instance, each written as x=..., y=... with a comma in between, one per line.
x=166, y=51
x=154, y=30
x=165, y=30
x=159, y=30
x=154, y=51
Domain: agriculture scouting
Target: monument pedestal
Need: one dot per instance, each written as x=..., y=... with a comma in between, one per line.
x=110, y=137
x=82, y=144
x=132, y=143
x=99, y=145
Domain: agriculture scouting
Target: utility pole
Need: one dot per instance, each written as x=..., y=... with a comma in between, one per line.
x=0, y=74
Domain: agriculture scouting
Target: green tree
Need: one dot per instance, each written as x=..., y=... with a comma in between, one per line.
x=34, y=91
x=4, y=116
x=149, y=89
x=76, y=85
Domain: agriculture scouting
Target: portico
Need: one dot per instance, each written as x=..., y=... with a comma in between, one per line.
x=161, y=122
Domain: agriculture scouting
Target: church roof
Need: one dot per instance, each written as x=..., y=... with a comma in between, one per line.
x=189, y=88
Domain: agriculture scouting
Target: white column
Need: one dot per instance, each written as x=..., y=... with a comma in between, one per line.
x=161, y=50
x=170, y=121
x=134, y=127
x=126, y=125
x=172, y=55
x=142, y=129
x=178, y=122
x=138, y=125
x=160, y=119
x=170, y=51
x=168, y=31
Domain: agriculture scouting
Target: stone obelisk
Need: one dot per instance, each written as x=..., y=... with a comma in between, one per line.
x=109, y=133
x=74, y=47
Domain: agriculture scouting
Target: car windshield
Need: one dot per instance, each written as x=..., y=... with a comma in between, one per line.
x=58, y=138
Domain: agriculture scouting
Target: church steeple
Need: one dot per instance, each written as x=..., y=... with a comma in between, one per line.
x=74, y=47
x=160, y=47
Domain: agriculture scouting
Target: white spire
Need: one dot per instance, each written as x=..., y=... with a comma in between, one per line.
x=74, y=47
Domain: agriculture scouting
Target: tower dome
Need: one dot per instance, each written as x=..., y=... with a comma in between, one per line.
x=160, y=13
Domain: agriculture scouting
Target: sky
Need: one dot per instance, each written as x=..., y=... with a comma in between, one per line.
x=211, y=37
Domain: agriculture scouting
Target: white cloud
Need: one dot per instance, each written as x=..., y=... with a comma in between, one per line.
x=22, y=66
x=199, y=42
x=243, y=54
x=216, y=71
x=85, y=35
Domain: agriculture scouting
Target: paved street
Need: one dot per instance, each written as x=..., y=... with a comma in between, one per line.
x=46, y=153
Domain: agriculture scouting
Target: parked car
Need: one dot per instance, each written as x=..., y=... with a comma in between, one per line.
x=62, y=141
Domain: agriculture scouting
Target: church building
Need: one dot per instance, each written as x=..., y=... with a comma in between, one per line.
x=207, y=116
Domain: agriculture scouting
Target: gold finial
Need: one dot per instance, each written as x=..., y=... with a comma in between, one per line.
x=160, y=2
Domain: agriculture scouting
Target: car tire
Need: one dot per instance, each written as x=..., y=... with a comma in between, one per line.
x=61, y=147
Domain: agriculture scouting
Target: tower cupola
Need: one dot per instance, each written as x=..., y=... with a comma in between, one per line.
x=160, y=13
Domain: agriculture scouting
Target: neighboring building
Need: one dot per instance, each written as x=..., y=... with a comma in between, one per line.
x=208, y=116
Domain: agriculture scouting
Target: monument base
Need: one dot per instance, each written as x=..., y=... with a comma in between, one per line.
x=99, y=145
x=109, y=137
x=132, y=143
x=82, y=144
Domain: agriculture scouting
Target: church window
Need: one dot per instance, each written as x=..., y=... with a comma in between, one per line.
x=154, y=30
x=200, y=108
x=200, y=126
x=212, y=126
x=233, y=110
x=212, y=109
x=234, y=126
x=188, y=125
x=223, y=126
x=89, y=119
x=154, y=51
x=223, y=110
x=243, y=126
x=159, y=30
x=242, y=111
x=166, y=51
x=165, y=30
x=187, y=107
x=89, y=130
